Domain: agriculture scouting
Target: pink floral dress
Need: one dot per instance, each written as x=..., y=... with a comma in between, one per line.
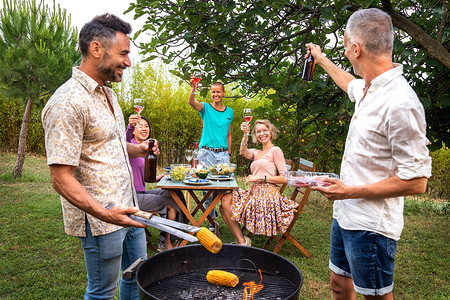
x=261, y=208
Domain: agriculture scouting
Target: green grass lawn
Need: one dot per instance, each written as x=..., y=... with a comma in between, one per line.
x=39, y=261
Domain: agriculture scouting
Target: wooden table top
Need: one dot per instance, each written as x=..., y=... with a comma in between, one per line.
x=167, y=184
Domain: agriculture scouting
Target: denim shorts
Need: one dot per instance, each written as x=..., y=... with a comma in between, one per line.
x=366, y=256
x=210, y=158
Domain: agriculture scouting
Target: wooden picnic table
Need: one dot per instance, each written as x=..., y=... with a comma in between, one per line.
x=220, y=186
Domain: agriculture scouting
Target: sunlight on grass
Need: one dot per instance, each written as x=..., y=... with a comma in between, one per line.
x=426, y=205
x=27, y=176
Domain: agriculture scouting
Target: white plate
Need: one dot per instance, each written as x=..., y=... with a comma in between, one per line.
x=197, y=183
x=219, y=177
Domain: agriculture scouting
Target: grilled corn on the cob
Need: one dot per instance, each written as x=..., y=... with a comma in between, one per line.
x=224, y=278
x=209, y=240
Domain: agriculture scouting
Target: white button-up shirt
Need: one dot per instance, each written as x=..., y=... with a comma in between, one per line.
x=81, y=131
x=386, y=138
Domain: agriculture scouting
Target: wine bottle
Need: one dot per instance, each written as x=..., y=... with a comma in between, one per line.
x=150, y=163
x=308, y=69
x=195, y=156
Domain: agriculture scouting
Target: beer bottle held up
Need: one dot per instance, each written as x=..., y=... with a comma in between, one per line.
x=308, y=69
x=150, y=163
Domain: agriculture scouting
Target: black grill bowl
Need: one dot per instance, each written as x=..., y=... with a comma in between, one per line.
x=180, y=273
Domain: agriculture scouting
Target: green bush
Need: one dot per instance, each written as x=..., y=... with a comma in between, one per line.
x=438, y=185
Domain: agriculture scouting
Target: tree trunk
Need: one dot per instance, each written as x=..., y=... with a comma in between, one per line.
x=17, y=171
x=433, y=47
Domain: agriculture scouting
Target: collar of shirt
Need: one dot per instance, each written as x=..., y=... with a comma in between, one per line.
x=386, y=77
x=356, y=87
x=85, y=80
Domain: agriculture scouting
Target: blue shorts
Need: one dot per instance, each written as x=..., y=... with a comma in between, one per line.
x=366, y=256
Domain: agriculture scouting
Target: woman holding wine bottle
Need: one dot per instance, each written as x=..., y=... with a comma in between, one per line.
x=156, y=200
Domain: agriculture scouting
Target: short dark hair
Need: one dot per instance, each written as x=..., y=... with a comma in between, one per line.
x=102, y=28
x=219, y=83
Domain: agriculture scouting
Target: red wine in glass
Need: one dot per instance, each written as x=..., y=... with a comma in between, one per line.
x=138, y=105
x=248, y=119
x=138, y=108
x=196, y=81
x=248, y=115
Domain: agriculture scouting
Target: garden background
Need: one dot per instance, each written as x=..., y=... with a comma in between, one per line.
x=225, y=40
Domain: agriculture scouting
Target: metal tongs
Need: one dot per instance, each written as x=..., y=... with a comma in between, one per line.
x=163, y=224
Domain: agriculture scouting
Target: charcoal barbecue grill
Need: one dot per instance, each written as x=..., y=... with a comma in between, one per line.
x=180, y=273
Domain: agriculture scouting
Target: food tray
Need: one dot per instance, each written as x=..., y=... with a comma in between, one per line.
x=226, y=169
x=306, y=179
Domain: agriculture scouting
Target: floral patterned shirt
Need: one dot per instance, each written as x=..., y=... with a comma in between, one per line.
x=81, y=131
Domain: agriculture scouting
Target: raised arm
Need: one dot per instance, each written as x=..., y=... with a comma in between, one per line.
x=243, y=150
x=133, y=120
x=341, y=77
x=229, y=140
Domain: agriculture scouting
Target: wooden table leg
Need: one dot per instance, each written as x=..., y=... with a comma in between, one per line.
x=183, y=208
x=210, y=207
x=199, y=206
x=187, y=196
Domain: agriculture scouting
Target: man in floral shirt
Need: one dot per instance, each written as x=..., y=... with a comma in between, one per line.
x=88, y=158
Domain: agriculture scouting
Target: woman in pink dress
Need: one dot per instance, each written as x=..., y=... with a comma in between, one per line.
x=260, y=208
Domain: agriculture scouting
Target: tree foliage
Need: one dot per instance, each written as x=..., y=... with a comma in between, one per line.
x=38, y=50
x=261, y=45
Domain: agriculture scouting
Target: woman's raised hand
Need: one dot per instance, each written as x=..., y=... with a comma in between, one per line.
x=193, y=83
x=245, y=127
x=134, y=120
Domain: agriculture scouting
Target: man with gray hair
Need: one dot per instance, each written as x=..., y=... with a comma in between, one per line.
x=385, y=158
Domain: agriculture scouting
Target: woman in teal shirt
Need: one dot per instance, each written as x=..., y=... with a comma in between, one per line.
x=215, y=143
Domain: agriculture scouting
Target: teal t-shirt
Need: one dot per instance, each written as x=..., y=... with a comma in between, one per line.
x=215, y=126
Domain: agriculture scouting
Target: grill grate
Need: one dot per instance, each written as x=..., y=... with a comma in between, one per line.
x=193, y=285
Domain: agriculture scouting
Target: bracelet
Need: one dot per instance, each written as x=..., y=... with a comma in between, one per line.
x=265, y=178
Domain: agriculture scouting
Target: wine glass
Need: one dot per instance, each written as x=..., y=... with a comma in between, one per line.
x=248, y=115
x=138, y=105
x=196, y=81
x=188, y=154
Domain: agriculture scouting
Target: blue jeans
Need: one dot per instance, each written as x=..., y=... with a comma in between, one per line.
x=210, y=158
x=368, y=257
x=106, y=255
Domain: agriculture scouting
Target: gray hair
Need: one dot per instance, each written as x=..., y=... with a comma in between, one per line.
x=371, y=28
